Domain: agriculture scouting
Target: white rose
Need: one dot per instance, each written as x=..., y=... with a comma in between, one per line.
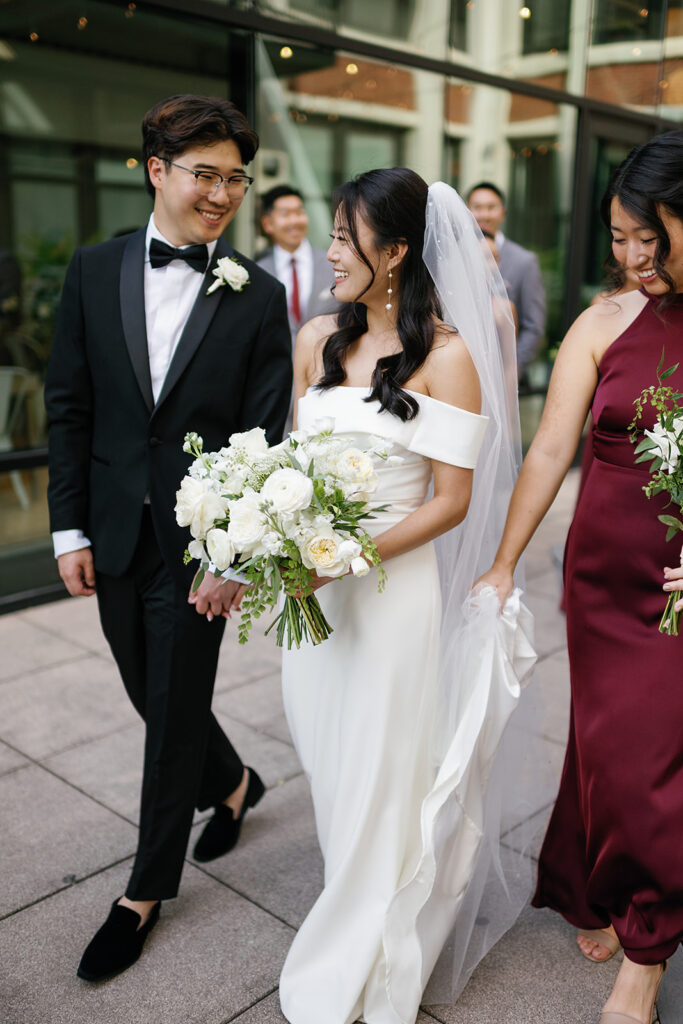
x=198, y=506
x=359, y=567
x=327, y=552
x=253, y=441
x=247, y=522
x=234, y=273
x=354, y=465
x=289, y=490
x=220, y=548
x=229, y=271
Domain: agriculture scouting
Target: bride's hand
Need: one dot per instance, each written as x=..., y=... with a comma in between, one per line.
x=500, y=579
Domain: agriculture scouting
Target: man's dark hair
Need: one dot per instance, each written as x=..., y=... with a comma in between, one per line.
x=269, y=198
x=490, y=186
x=180, y=122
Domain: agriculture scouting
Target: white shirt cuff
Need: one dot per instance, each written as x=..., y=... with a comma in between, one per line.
x=65, y=541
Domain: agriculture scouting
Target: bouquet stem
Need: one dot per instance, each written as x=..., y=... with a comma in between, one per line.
x=301, y=618
x=670, y=618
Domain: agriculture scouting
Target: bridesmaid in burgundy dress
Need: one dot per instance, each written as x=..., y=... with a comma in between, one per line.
x=612, y=860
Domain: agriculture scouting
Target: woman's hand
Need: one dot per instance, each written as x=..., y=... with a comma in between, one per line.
x=500, y=579
x=674, y=581
x=216, y=597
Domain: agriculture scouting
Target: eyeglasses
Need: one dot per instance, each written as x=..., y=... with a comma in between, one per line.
x=208, y=182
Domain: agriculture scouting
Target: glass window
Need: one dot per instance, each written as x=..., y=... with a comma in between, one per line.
x=457, y=36
x=546, y=26
x=385, y=17
x=75, y=81
x=618, y=21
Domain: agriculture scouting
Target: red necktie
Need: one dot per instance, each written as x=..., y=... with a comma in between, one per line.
x=294, y=304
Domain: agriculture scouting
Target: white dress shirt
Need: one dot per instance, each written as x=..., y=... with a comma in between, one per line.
x=304, y=272
x=170, y=294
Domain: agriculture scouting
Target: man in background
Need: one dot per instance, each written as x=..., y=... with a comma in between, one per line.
x=519, y=269
x=304, y=271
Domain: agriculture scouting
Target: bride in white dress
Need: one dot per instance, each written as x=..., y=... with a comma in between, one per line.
x=374, y=712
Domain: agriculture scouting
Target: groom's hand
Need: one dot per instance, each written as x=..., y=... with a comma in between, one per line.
x=215, y=597
x=77, y=570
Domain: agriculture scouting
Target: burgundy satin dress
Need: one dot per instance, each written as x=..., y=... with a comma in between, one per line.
x=614, y=847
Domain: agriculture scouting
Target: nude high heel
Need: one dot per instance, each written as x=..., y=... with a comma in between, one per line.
x=623, y=1018
x=603, y=938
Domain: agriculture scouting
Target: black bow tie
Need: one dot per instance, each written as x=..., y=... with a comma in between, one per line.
x=160, y=255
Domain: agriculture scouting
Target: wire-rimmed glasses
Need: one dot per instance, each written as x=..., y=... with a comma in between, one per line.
x=207, y=183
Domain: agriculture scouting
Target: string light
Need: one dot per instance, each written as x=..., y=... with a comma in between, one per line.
x=286, y=52
x=131, y=162
x=34, y=37
x=351, y=69
x=81, y=24
x=525, y=12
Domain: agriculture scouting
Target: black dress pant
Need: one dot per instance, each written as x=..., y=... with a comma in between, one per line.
x=167, y=656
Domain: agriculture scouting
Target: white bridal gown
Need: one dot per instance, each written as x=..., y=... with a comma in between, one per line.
x=361, y=710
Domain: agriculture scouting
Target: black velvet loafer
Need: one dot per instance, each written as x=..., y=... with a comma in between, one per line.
x=117, y=944
x=221, y=832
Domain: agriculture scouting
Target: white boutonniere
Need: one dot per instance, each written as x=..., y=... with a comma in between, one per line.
x=229, y=271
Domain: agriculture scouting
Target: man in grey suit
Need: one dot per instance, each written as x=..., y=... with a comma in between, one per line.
x=304, y=271
x=519, y=269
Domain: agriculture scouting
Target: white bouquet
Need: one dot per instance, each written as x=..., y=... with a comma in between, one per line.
x=279, y=515
x=662, y=447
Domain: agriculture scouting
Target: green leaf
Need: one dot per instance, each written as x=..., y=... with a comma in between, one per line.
x=667, y=373
x=671, y=522
x=197, y=582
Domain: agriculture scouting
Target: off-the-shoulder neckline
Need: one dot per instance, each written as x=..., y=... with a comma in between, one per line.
x=418, y=394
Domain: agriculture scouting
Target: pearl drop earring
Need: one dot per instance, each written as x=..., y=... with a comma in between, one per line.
x=390, y=292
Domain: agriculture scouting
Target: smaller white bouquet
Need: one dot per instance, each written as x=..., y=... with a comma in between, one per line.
x=278, y=516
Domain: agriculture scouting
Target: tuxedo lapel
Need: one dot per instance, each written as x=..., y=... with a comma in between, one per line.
x=132, y=299
x=198, y=322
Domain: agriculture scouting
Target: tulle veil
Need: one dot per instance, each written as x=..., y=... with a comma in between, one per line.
x=475, y=874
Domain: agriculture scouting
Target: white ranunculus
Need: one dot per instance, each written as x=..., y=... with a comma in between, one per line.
x=359, y=567
x=196, y=550
x=253, y=441
x=247, y=522
x=198, y=506
x=289, y=490
x=328, y=552
x=220, y=548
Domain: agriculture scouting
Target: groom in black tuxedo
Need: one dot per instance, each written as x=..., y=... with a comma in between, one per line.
x=141, y=355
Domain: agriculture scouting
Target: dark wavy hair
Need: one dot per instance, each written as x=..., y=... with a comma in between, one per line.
x=392, y=202
x=651, y=176
x=178, y=123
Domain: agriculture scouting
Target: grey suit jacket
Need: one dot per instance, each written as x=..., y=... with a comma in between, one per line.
x=320, y=300
x=522, y=275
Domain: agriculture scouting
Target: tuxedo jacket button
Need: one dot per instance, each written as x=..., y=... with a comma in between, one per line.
x=155, y=442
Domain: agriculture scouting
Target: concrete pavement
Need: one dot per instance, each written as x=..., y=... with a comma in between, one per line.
x=70, y=761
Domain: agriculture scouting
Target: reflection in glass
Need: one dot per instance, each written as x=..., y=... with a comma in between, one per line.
x=547, y=26
x=618, y=21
